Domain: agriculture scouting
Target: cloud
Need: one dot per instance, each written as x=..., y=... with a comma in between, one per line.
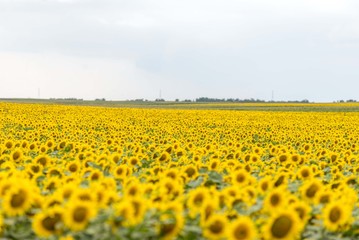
x=61, y=76
x=232, y=48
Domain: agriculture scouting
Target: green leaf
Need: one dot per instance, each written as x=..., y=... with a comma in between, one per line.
x=195, y=183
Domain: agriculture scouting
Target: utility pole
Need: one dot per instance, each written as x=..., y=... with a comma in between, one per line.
x=272, y=96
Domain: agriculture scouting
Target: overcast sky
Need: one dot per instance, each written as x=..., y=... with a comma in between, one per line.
x=127, y=49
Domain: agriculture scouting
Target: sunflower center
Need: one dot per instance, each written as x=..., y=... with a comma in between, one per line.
x=73, y=168
x=216, y=227
x=311, y=191
x=198, y=199
x=281, y=227
x=324, y=199
x=42, y=161
x=49, y=223
x=190, y=172
x=95, y=176
x=16, y=156
x=264, y=186
x=133, y=191
x=167, y=228
x=18, y=199
x=119, y=171
x=274, y=200
x=305, y=173
x=35, y=169
x=85, y=197
x=301, y=212
x=214, y=165
x=136, y=207
x=240, y=178
x=80, y=214
x=241, y=232
x=283, y=158
x=334, y=214
x=279, y=181
x=163, y=157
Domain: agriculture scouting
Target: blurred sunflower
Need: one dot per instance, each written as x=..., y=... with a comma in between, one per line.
x=336, y=215
x=216, y=227
x=77, y=214
x=48, y=223
x=242, y=228
x=283, y=224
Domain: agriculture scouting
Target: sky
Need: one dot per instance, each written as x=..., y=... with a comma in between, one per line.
x=132, y=49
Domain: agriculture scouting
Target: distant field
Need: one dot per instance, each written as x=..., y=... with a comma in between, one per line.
x=297, y=107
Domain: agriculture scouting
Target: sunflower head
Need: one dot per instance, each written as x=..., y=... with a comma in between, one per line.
x=337, y=215
x=78, y=214
x=215, y=227
x=18, y=199
x=242, y=228
x=48, y=223
x=283, y=224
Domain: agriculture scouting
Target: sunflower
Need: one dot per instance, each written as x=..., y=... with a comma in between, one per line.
x=336, y=215
x=196, y=199
x=275, y=199
x=44, y=160
x=73, y=167
x=208, y=209
x=303, y=211
x=214, y=164
x=242, y=228
x=165, y=157
x=284, y=159
x=84, y=195
x=17, y=156
x=280, y=180
x=240, y=177
x=264, y=185
x=133, y=189
x=122, y=171
x=95, y=175
x=310, y=189
x=78, y=213
x=283, y=224
x=305, y=172
x=215, y=227
x=102, y=197
x=170, y=225
x=139, y=206
x=171, y=173
x=6, y=184
x=35, y=168
x=190, y=171
x=170, y=188
x=134, y=161
x=324, y=196
x=48, y=223
x=18, y=199
x=9, y=144
x=123, y=212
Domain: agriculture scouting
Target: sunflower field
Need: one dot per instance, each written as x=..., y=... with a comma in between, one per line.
x=71, y=172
